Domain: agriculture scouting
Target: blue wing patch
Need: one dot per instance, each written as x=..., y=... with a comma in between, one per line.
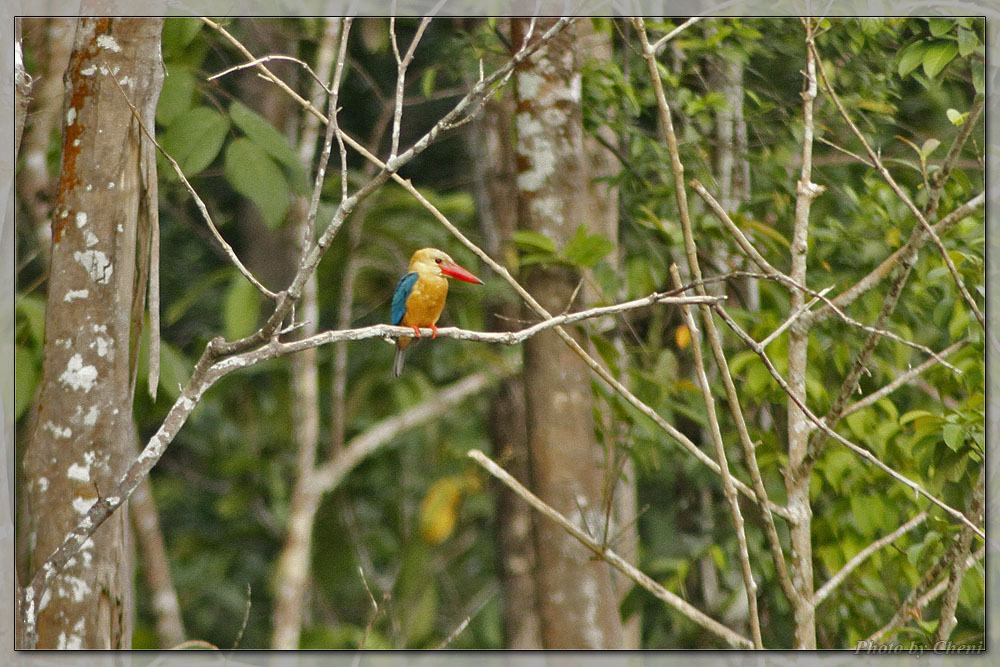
x=402, y=293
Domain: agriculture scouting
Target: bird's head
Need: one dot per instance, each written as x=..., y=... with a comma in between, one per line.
x=433, y=262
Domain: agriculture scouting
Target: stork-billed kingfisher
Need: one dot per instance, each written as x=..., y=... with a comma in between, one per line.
x=420, y=295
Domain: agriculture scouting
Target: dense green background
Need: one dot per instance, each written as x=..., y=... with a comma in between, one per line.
x=223, y=485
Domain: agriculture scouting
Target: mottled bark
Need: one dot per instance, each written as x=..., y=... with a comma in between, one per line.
x=491, y=147
x=577, y=597
x=603, y=199
x=83, y=437
x=22, y=87
x=797, y=477
x=49, y=40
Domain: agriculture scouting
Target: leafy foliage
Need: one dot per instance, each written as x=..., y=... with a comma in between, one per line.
x=414, y=517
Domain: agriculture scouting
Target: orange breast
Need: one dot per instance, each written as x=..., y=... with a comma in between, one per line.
x=426, y=301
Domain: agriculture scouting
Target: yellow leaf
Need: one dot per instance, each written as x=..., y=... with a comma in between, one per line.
x=439, y=509
x=682, y=336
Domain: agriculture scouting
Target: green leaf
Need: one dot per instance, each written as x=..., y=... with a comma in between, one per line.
x=32, y=308
x=956, y=117
x=427, y=81
x=938, y=55
x=758, y=378
x=261, y=132
x=421, y=621
x=915, y=414
x=870, y=25
x=25, y=380
x=178, y=31
x=176, y=96
x=194, y=138
x=954, y=436
x=978, y=76
x=911, y=56
x=866, y=510
x=527, y=240
x=175, y=370
x=253, y=174
x=967, y=42
x=959, y=321
x=861, y=422
x=585, y=250
x=929, y=147
x=240, y=308
x=940, y=26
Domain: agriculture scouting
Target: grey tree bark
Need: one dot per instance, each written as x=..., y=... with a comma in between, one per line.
x=84, y=437
x=491, y=146
x=578, y=601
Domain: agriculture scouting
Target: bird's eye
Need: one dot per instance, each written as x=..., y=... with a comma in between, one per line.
x=438, y=260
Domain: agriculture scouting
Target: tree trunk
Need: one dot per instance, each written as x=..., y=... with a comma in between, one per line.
x=83, y=438
x=22, y=87
x=577, y=598
x=494, y=169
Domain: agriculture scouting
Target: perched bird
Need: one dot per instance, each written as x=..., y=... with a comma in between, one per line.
x=420, y=295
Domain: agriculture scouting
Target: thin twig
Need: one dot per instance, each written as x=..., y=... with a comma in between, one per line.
x=246, y=619
x=465, y=622
x=609, y=556
x=880, y=167
x=863, y=555
x=861, y=451
x=230, y=253
x=374, y=614
x=265, y=59
x=794, y=316
x=662, y=41
x=901, y=380
x=500, y=76
x=720, y=453
x=402, y=63
x=715, y=341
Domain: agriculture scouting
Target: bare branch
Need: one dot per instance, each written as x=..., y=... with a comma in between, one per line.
x=265, y=59
x=904, y=253
x=880, y=167
x=401, y=65
x=794, y=316
x=863, y=555
x=226, y=248
x=610, y=557
x=331, y=473
x=861, y=451
x=901, y=380
x=662, y=41
x=691, y=252
x=727, y=478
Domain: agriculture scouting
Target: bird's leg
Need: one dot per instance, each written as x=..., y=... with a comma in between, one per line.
x=416, y=331
x=434, y=331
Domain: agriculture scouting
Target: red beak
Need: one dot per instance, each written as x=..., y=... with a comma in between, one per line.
x=455, y=271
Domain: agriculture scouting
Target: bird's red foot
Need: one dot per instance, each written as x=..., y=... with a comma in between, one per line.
x=416, y=331
x=434, y=332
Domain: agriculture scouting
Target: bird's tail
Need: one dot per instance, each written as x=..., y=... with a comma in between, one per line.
x=397, y=363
